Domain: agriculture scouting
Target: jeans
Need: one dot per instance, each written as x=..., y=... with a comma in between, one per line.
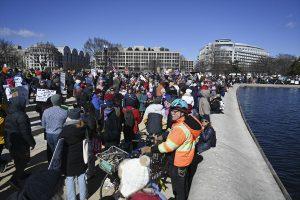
x=52, y=141
x=71, y=191
x=51, y=144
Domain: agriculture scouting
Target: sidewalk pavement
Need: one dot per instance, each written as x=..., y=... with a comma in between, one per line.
x=234, y=169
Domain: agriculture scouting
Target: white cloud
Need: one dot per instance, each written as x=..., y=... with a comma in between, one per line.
x=289, y=15
x=21, y=33
x=290, y=25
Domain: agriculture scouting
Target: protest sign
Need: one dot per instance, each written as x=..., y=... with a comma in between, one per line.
x=44, y=94
x=55, y=163
x=63, y=83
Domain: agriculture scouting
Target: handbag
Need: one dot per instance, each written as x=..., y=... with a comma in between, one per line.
x=85, y=147
x=85, y=150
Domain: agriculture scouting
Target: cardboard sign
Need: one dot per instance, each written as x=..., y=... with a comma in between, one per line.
x=55, y=163
x=44, y=94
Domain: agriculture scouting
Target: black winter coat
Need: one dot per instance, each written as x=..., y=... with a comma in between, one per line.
x=17, y=129
x=73, y=164
x=111, y=129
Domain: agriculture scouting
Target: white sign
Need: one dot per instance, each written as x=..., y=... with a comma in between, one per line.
x=55, y=163
x=44, y=94
x=62, y=82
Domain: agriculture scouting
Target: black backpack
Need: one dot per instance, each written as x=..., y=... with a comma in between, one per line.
x=207, y=139
x=154, y=123
x=129, y=118
x=111, y=130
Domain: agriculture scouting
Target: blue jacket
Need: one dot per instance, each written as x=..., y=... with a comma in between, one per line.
x=97, y=102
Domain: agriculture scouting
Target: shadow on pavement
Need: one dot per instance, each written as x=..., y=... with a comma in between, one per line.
x=36, y=163
x=94, y=183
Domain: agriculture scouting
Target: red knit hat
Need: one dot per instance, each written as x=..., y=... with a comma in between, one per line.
x=108, y=97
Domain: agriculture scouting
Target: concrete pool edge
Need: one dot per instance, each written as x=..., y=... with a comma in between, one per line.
x=273, y=172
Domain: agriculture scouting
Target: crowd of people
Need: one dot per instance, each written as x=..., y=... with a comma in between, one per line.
x=109, y=110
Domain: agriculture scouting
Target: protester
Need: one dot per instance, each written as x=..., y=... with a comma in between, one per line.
x=155, y=117
x=2, y=122
x=74, y=132
x=43, y=185
x=18, y=138
x=204, y=106
x=52, y=121
x=111, y=128
x=131, y=120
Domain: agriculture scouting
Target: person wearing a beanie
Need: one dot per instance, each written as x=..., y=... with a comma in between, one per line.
x=111, y=124
x=74, y=132
x=42, y=185
x=52, y=121
x=188, y=98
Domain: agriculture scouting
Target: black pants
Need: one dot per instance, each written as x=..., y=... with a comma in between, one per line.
x=21, y=159
x=180, y=182
x=2, y=162
x=128, y=137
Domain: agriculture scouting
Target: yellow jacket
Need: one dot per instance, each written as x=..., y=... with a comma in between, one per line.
x=2, y=120
x=1, y=130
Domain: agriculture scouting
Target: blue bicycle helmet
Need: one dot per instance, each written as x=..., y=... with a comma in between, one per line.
x=179, y=104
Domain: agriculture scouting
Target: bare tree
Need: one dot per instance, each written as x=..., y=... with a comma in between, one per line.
x=277, y=65
x=294, y=69
x=8, y=54
x=92, y=46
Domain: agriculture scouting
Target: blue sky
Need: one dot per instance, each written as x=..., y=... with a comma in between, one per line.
x=180, y=25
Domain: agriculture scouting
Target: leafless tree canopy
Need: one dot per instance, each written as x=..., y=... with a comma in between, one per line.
x=94, y=45
x=8, y=54
x=274, y=65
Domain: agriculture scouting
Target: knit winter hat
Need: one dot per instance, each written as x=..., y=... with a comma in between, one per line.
x=188, y=91
x=42, y=185
x=74, y=113
x=56, y=100
x=108, y=97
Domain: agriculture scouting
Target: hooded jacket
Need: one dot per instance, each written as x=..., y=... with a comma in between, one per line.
x=73, y=133
x=17, y=128
x=181, y=140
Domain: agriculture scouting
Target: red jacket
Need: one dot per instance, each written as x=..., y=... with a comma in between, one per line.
x=136, y=115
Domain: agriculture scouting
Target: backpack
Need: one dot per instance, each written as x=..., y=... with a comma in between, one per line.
x=206, y=140
x=154, y=123
x=111, y=127
x=129, y=118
